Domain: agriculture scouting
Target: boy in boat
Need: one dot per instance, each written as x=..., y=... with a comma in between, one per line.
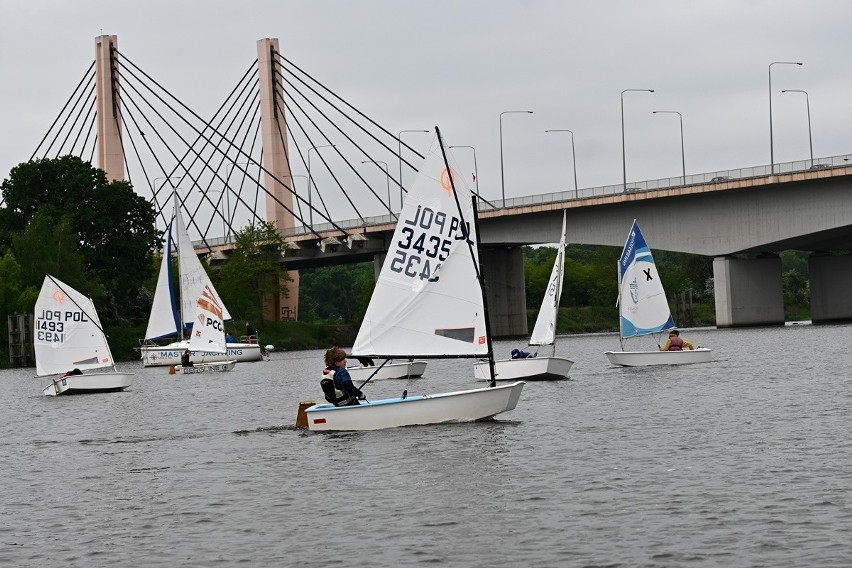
x=335, y=370
x=184, y=359
x=521, y=354
x=675, y=343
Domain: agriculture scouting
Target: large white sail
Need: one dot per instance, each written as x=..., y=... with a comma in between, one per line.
x=642, y=300
x=164, y=319
x=544, y=332
x=427, y=300
x=208, y=329
x=67, y=332
x=192, y=278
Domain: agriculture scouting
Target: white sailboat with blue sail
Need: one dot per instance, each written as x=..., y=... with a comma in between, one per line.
x=428, y=302
x=644, y=308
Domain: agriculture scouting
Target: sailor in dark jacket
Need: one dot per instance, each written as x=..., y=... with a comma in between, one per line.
x=335, y=365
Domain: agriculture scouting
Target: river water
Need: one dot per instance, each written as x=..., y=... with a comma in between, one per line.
x=746, y=461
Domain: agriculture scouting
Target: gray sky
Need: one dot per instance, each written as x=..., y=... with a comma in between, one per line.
x=458, y=64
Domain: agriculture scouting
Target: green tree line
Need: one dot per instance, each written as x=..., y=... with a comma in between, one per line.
x=63, y=217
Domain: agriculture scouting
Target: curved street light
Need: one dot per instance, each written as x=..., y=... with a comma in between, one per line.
x=502, y=179
x=682, y=155
x=808, y=103
x=387, y=175
x=399, y=155
x=623, y=152
x=573, y=155
x=771, y=142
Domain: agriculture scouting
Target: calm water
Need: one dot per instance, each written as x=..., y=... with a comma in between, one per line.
x=743, y=462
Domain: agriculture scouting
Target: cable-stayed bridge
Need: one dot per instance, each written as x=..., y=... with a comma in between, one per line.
x=239, y=167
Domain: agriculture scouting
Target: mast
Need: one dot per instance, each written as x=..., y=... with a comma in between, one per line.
x=473, y=256
x=618, y=303
x=176, y=205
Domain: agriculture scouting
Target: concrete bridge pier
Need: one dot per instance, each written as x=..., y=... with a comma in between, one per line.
x=505, y=289
x=748, y=291
x=830, y=277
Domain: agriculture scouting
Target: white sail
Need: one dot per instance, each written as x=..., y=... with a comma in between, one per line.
x=164, y=319
x=67, y=333
x=193, y=280
x=642, y=300
x=544, y=332
x=208, y=329
x=427, y=300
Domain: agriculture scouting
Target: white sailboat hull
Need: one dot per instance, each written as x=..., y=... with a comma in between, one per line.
x=207, y=368
x=531, y=368
x=166, y=355
x=88, y=383
x=459, y=406
x=404, y=370
x=650, y=358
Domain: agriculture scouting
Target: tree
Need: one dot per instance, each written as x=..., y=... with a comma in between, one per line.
x=253, y=271
x=115, y=229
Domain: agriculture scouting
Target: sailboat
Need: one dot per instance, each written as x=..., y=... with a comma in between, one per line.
x=428, y=302
x=544, y=333
x=69, y=340
x=167, y=320
x=644, y=309
x=207, y=334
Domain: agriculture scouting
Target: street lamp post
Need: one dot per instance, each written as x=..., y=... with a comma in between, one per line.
x=808, y=104
x=399, y=155
x=623, y=152
x=387, y=175
x=682, y=155
x=298, y=203
x=475, y=171
x=771, y=142
x=502, y=179
x=310, y=181
x=573, y=155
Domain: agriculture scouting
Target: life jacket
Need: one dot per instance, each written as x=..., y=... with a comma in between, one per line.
x=333, y=395
x=676, y=343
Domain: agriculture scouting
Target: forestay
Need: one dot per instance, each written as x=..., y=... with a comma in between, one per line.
x=642, y=300
x=67, y=331
x=427, y=300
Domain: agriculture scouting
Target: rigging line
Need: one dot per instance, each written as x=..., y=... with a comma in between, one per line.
x=89, y=133
x=334, y=124
x=188, y=174
x=61, y=112
x=348, y=138
x=377, y=125
x=208, y=125
x=92, y=107
x=135, y=148
x=241, y=114
x=71, y=112
x=480, y=276
x=199, y=137
x=293, y=115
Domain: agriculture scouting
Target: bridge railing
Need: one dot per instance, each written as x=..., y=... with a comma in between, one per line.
x=587, y=192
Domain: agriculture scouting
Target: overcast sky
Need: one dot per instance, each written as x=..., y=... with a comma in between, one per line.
x=458, y=64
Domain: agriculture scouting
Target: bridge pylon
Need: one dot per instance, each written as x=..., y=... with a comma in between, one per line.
x=110, y=156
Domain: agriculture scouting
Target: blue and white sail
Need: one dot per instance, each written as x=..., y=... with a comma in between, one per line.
x=642, y=300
